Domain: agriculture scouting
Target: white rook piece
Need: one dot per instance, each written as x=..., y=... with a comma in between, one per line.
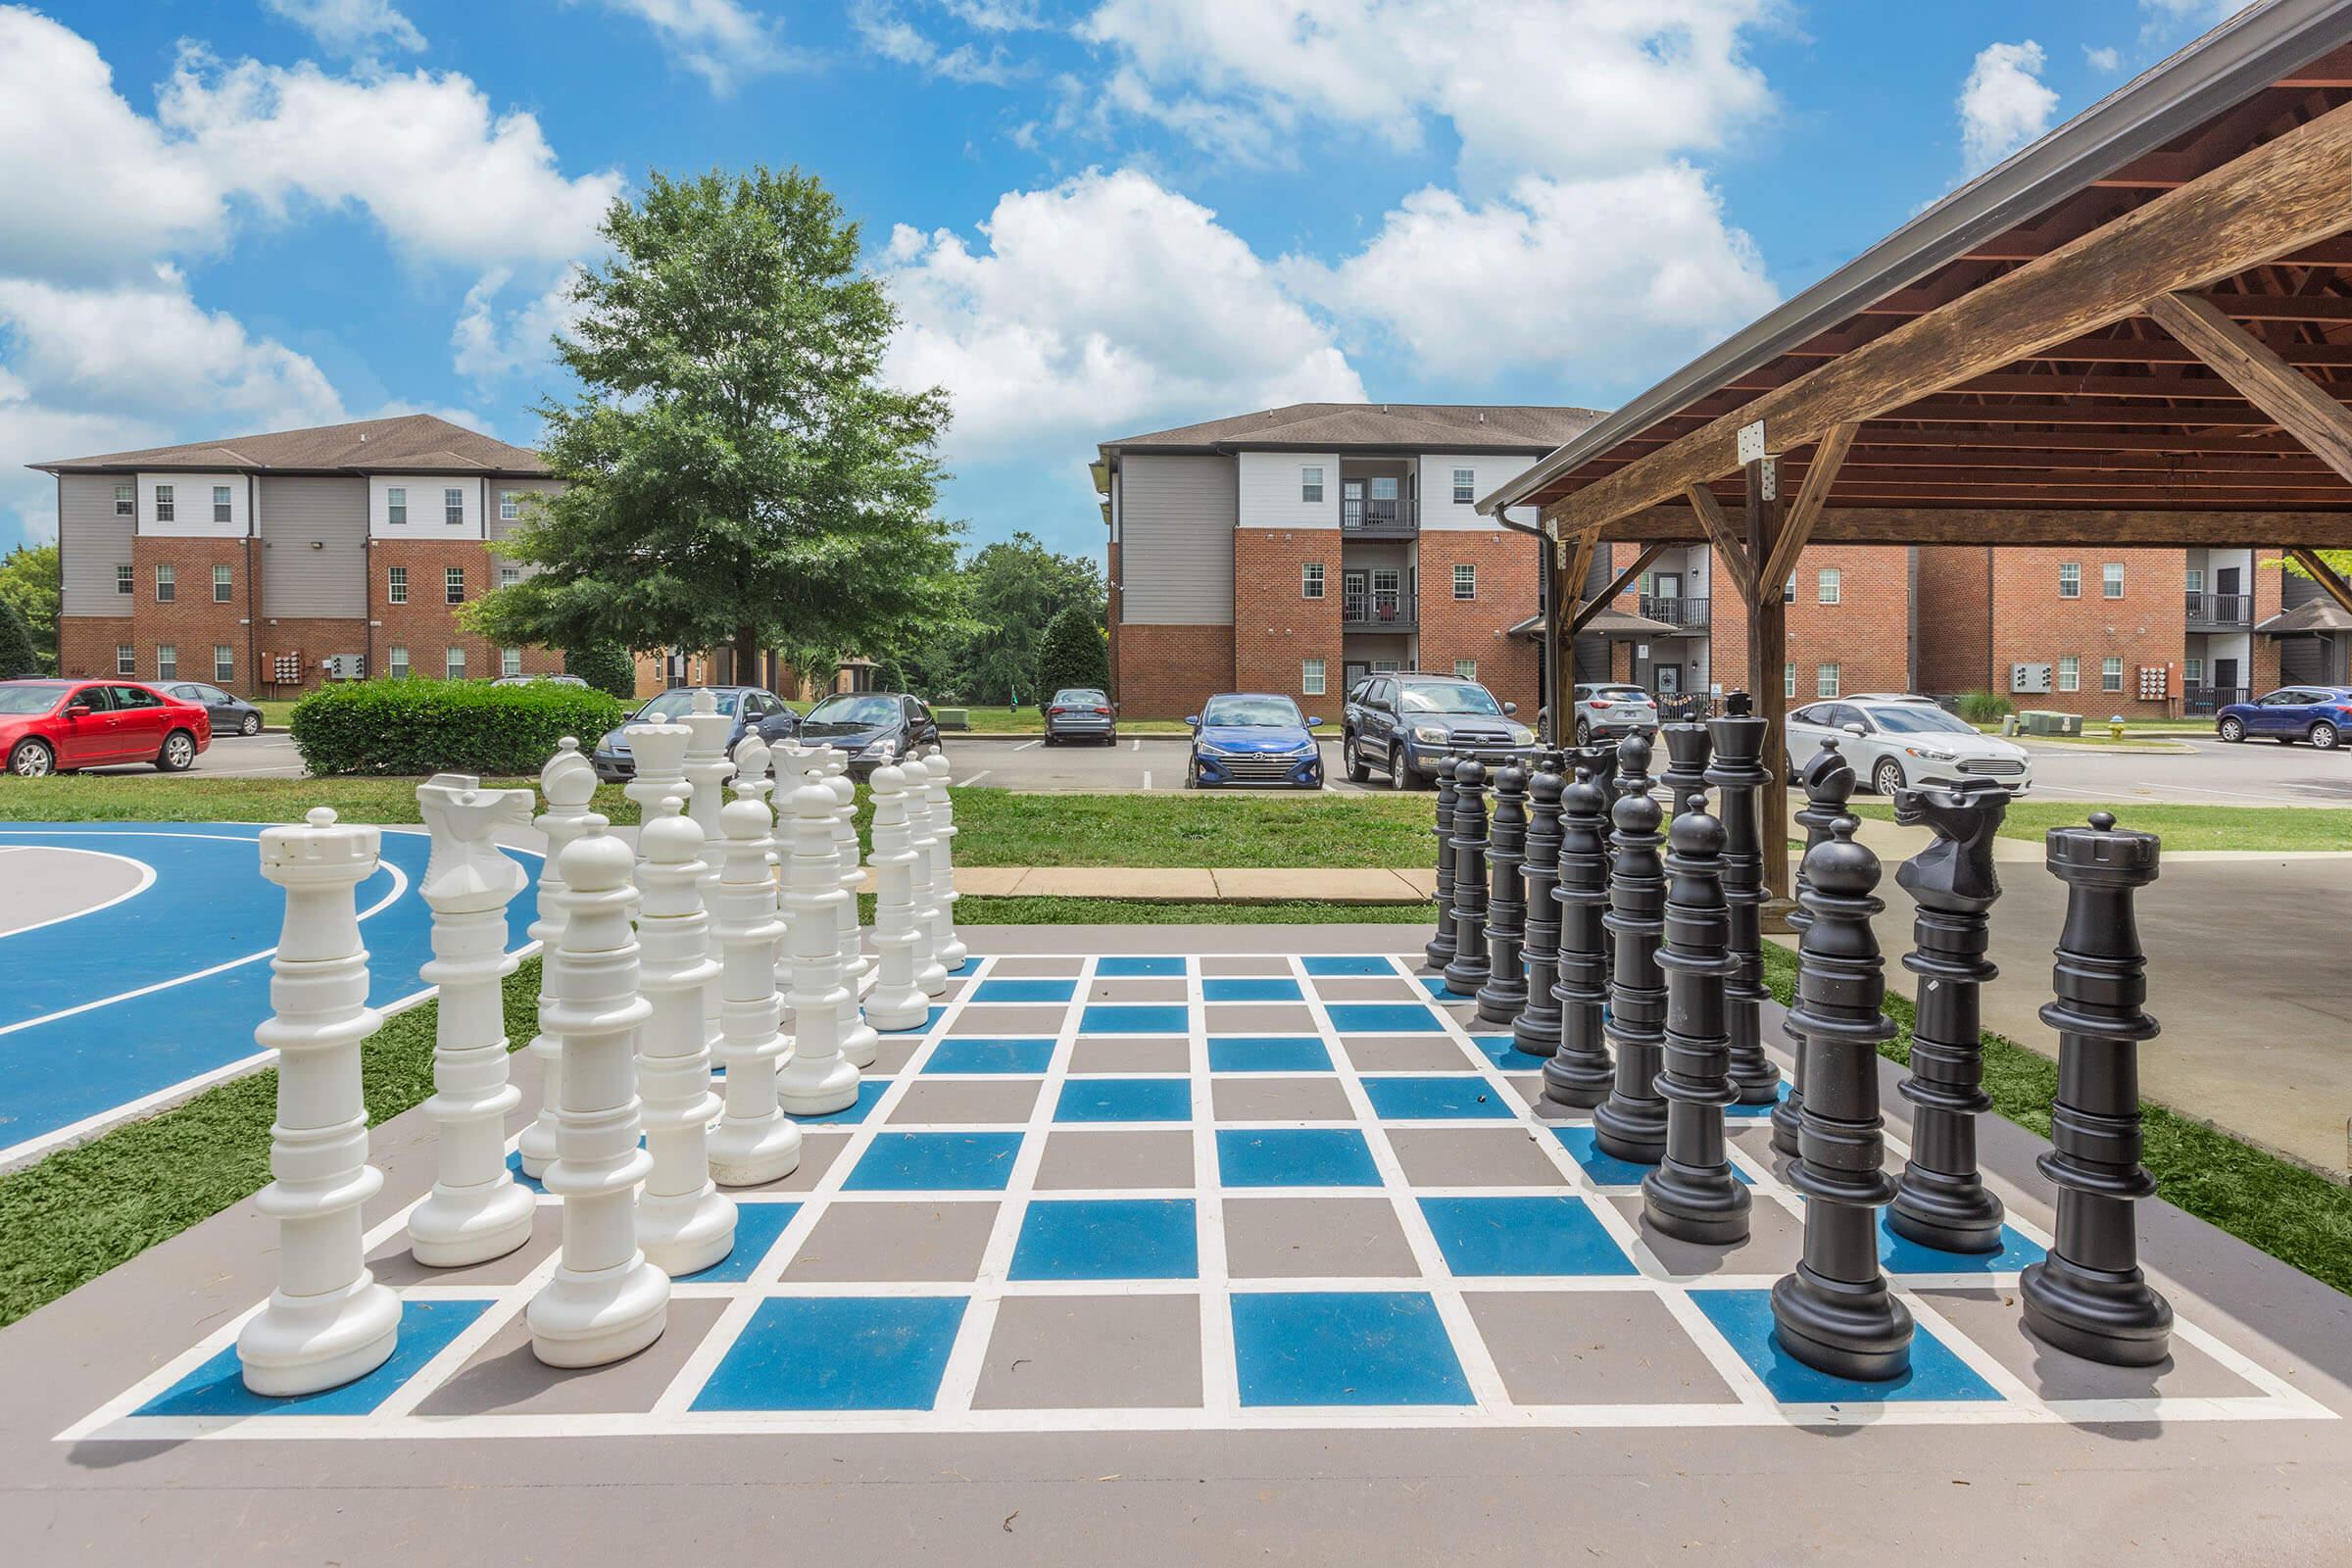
x=328, y=1321
x=605, y=1301
x=816, y=1078
x=897, y=1001
x=858, y=1042
x=683, y=1224
x=476, y=1210
x=569, y=781
x=930, y=975
x=753, y=1142
x=707, y=764
x=949, y=947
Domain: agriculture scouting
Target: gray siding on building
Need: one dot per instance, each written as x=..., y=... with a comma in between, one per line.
x=297, y=579
x=1176, y=518
x=91, y=542
x=498, y=529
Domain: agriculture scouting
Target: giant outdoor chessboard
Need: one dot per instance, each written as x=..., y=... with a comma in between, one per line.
x=1207, y=1191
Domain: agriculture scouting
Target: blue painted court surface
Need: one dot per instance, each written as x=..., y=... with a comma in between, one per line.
x=111, y=1007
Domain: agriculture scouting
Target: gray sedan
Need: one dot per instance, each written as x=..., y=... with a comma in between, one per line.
x=1081, y=714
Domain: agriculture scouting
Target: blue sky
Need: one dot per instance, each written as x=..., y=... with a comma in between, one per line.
x=1099, y=217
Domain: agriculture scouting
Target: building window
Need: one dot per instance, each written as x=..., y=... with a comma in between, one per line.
x=127, y=499
x=1465, y=581
x=163, y=505
x=2111, y=673
x=1465, y=670
x=224, y=665
x=1788, y=680
x=509, y=576
x=1829, y=581
x=1310, y=677
x=453, y=584
x=509, y=660
x=1825, y=680
x=122, y=579
x=2196, y=579
x=126, y=660
x=396, y=660
x=166, y=588
x=1465, y=486
x=224, y=585
x=510, y=505
x=2111, y=579
x=396, y=585
x=2070, y=579
x=1788, y=593
x=220, y=503
x=2192, y=672
x=453, y=663
x=1310, y=485
x=453, y=507
x=396, y=506
x=1310, y=579
x=2069, y=673
x=166, y=661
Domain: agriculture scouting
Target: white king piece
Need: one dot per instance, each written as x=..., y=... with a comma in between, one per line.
x=476, y=1210
x=569, y=781
x=328, y=1321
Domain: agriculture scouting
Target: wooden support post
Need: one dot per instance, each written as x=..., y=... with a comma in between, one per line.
x=1827, y=457
x=1727, y=545
x=2303, y=408
x=1601, y=601
x=1566, y=563
x=2326, y=576
x=1767, y=655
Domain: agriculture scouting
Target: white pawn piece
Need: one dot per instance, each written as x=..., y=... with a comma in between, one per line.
x=930, y=975
x=817, y=1078
x=859, y=1041
x=328, y=1321
x=896, y=1001
x=707, y=764
x=753, y=1142
x=569, y=781
x=605, y=1301
x=683, y=1224
x=945, y=944
x=476, y=1210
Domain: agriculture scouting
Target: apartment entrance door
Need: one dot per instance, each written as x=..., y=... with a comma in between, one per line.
x=2225, y=674
x=1669, y=680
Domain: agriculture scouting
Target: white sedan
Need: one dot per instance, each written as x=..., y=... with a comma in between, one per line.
x=1896, y=741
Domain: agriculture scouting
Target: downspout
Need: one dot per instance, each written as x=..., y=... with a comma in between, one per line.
x=253, y=580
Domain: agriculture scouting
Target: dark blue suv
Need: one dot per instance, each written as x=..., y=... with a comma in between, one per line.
x=2319, y=715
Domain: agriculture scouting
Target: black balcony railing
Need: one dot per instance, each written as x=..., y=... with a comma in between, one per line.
x=1375, y=608
x=1391, y=516
x=2203, y=701
x=2221, y=609
x=1676, y=609
x=1685, y=707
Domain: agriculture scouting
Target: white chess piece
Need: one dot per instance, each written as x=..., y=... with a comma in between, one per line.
x=569, y=781
x=930, y=975
x=818, y=1078
x=754, y=1141
x=328, y=1321
x=945, y=944
x=684, y=1224
x=476, y=1210
x=605, y=1301
x=707, y=764
x=897, y=1001
x=859, y=1041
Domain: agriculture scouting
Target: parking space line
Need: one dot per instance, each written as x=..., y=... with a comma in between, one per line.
x=1027, y=744
x=1146, y=778
x=976, y=777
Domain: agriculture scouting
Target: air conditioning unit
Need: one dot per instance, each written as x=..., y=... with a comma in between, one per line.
x=2028, y=677
x=344, y=666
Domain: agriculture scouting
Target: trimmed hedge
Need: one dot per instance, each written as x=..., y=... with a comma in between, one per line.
x=387, y=726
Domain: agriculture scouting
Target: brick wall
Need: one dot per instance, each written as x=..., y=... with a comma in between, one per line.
x=2270, y=588
x=1166, y=671
x=193, y=624
x=1955, y=610
x=428, y=625
x=1866, y=633
x=1275, y=628
x=1114, y=611
x=2033, y=624
x=313, y=638
x=1509, y=589
x=86, y=644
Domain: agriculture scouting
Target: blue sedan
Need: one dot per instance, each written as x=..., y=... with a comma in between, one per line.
x=1253, y=738
x=2319, y=715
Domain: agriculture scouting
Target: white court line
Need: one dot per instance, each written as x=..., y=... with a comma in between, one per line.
x=146, y=880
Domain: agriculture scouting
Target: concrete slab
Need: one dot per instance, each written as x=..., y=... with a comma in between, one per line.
x=1113, y=882
x=1328, y=885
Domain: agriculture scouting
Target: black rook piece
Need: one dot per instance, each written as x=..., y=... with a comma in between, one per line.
x=1694, y=1193
x=1687, y=749
x=1579, y=1072
x=1737, y=775
x=1506, y=990
x=1835, y=1312
x=1827, y=781
x=1941, y=1202
x=1537, y=1030
x=2089, y=1295
x=1468, y=969
x=1440, y=951
x=1631, y=1123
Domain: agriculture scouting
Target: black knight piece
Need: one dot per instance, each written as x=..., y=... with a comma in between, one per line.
x=1440, y=952
x=1579, y=1072
x=1506, y=990
x=1941, y=1200
x=1631, y=1123
x=2088, y=1297
x=1738, y=777
x=1537, y=1029
x=1468, y=969
x=1693, y=1195
x=1827, y=780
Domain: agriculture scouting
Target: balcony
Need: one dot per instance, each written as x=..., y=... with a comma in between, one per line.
x=1378, y=610
x=1364, y=519
x=2220, y=612
x=2203, y=701
x=1688, y=613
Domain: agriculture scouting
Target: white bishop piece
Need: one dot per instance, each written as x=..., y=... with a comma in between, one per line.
x=896, y=1001
x=859, y=1041
x=946, y=945
x=816, y=1078
x=569, y=781
x=922, y=842
x=753, y=1142
x=683, y=1223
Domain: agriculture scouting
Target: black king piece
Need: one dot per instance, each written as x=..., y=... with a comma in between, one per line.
x=1693, y=1195
x=1827, y=780
x=1468, y=969
x=1537, y=1029
x=1738, y=777
x=1631, y=1123
x=1579, y=1072
x=1506, y=990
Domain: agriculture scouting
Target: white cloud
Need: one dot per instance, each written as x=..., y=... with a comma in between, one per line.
x=351, y=28
x=1101, y=304
x=2004, y=103
x=887, y=32
x=996, y=16
x=494, y=342
x=2109, y=58
x=722, y=42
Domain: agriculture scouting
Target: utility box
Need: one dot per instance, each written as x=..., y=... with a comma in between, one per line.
x=955, y=718
x=2045, y=721
x=344, y=666
x=2028, y=677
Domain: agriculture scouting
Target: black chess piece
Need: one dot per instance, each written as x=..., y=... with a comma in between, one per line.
x=1603, y=756
x=1579, y=1072
x=1827, y=780
x=1687, y=748
x=1693, y=1195
x=1941, y=1200
x=1468, y=969
x=1739, y=775
x=1835, y=1312
x=1537, y=1029
x=1505, y=989
x=1440, y=952
x=1631, y=1124
x=2089, y=1295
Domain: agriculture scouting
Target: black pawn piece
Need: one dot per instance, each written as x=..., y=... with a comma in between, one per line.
x=1827, y=780
x=1631, y=1124
x=1506, y=990
x=1693, y=1195
x=1737, y=775
x=1537, y=1029
x=2088, y=1297
x=1688, y=747
x=1440, y=951
x=1467, y=970
x=1941, y=1200
x=1579, y=1072
x=1836, y=1314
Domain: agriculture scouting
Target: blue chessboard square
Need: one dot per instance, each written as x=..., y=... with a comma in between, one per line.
x=1519, y=1236
x=930, y=1018
x=514, y=1165
x=1370, y=964
x=1462, y=1098
x=1504, y=1054
x=1250, y=989
x=969, y=1053
x=1107, y=1239
x=1745, y=1318
x=1385, y=1018
x=935, y=1162
x=1900, y=1254
x=869, y=1091
x=1435, y=985
x=1297, y=1157
x=218, y=1387
x=757, y=1227
x=837, y=1352
x=1131, y=967
x=1605, y=1169
x=1125, y=1099
x=1024, y=990
x=1111, y=1018
x=1267, y=1054
x=1751, y=1112
x=1317, y=1348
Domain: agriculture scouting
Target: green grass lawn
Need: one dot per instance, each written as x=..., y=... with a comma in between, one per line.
x=2182, y=827
x=277, y=713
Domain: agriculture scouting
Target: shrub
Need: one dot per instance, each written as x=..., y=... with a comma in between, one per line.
x=1984, y=708
x=458, y=726
x=18, y=655
x=607, y=667
x=1071, y=652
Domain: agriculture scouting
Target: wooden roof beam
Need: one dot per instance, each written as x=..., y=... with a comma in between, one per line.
x=2326, y=576
x=1730, y=549
x=1601, y=601
x=1811, y=500
x=2317, y=528
x=2300, y=406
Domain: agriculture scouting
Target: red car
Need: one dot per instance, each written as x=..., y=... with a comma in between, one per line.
x=55, y=726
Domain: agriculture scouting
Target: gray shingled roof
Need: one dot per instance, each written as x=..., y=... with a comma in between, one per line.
x=418, y=441
x=1427, y=427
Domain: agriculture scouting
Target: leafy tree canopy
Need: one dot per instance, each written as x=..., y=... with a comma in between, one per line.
x=985, y=649
x=29, y=586
x=1072, y=653
x=18, y=655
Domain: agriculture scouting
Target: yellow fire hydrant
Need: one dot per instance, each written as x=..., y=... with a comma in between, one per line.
x=2115, y=727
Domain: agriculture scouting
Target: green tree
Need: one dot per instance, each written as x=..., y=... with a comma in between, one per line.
x=1072, y=653
x=738, y=474
x=28, y=585
x=18, y=655
x=607, y=667
x=1013, y=589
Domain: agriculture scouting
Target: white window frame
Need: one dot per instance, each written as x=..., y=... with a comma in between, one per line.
x=2111, y=580
x=1826, y=678
x=225, y=508
x=396, y=585
x=1311, y=677
x=509, y=660
x=396, y=662
x=166, y=504
x=1789, y=591
x=509, y=576
x=453, y=662
x=1465, y=579
x=1465, y=670
x=453, y=507
x=2192, y=672
x=1465, y=487
x=126, y=660
x=2070, y=579
x=1311, y=583
x=127, y=578
x=1828, y=584
x=167, y=660
x=1310, y=484
x=166, y=584
x=452, y=585
x=224, y=666
x=1788, y=677
x=2111, y=673
x=510, y=505
x=2196, y=579
x=2070, y=673
x=224, y=585
x=396, y=506
x=126, y=500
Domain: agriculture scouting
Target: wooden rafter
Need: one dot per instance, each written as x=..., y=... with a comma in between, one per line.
x=1600, y=602
x=2010, y=526
x=1812, y=499
x=2300, y=406
x=1730, y=549
x=2326, y=576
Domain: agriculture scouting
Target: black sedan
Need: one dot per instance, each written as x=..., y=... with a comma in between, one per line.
x=750, y=706
x=231, y=715
x=873, y=727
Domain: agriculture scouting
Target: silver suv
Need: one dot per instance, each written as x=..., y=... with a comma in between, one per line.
x=1609, y=710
